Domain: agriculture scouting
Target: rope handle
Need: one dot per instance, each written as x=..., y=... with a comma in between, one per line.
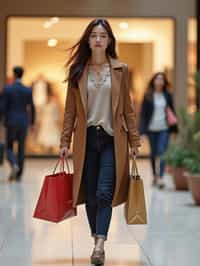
x=62, y=163
x=134, y=169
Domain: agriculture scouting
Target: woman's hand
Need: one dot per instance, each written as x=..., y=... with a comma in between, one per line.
x=64, y=152
x=142, y=139
x=134, y=151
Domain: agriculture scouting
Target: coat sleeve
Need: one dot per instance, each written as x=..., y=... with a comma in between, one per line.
x=142, y=117
x=129, y=112
x=32, y=108
x=69, y=118
x=171, y=102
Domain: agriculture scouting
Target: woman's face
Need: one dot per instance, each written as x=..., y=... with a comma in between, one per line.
x=159, y=81
x=98, y=39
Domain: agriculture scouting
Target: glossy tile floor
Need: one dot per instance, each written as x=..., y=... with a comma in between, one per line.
x=171, y=238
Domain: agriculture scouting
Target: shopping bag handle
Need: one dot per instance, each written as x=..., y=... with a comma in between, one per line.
x=134, y=169
x=62, y=162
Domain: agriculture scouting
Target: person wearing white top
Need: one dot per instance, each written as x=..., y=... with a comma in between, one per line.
x=154, y=124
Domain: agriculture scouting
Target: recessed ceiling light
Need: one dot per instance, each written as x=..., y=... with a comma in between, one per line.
x=54, y=20
x=52, y=42
x=123, y=25
x=47, y=24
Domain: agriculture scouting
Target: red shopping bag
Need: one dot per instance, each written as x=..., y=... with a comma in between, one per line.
x=55, y=200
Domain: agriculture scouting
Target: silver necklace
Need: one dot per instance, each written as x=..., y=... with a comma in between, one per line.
x=101, y=77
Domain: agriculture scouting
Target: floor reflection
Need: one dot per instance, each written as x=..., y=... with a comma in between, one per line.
x=171, y=237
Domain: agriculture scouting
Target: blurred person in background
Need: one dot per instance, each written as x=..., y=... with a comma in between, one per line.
x=154, y=124
x=99, y=111
x=49, y=122
x=40, y=89
x=19, y=113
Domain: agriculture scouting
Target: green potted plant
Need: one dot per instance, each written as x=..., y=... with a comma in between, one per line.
x=179, y=149
x=182, y=153
x=192, y=165
x=189, y=145
x=174, y=158
x=192, y=162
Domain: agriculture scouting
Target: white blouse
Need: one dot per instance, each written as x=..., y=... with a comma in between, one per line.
x=158, y=121
x=99, y=100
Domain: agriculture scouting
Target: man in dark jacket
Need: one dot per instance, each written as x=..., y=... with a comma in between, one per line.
x=19, y=113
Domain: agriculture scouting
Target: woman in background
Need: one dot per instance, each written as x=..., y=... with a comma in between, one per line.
x=154, y=123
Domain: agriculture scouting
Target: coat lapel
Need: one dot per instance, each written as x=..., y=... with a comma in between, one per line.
x=83, y=88
x=116, y=77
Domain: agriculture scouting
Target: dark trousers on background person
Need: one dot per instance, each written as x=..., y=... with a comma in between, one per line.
x=17, y=135
x=99, y=179
x=158, y=141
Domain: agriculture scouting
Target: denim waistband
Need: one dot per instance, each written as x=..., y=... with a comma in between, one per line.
x=99, y=130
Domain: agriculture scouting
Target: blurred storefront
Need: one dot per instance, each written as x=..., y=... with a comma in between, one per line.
x=42, y=51
x=151, y=37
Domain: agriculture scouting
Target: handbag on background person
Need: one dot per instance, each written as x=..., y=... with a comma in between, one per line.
x=171, y=117
x=55, y=202
x=135, y=207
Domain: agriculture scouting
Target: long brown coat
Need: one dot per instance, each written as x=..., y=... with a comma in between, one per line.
x=124, y=125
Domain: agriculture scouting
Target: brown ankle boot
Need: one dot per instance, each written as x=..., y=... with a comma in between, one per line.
x=98, y=257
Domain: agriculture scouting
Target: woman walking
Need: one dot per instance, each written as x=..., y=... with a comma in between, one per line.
x=154, y=124
x=99, y=112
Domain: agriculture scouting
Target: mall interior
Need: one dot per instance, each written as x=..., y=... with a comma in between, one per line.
x=152, y=36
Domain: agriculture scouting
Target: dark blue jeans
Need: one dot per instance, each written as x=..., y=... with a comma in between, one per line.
x=18, y=135
x=99, y=179
x=158, y=143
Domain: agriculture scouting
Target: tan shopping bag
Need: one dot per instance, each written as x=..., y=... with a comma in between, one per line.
x=135, y=207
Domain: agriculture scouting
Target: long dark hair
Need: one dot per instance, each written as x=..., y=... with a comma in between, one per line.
x=81, y=52
x=151, y=87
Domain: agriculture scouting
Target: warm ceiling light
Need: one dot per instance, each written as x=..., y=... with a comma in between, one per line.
x=123, y=25
x=54, y=20
x=52, y=42
x=47, y=24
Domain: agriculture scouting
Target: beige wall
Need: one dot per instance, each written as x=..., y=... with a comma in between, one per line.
x=181, y=10
x=139, y=57
x=37, y=52
x=39, y=58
